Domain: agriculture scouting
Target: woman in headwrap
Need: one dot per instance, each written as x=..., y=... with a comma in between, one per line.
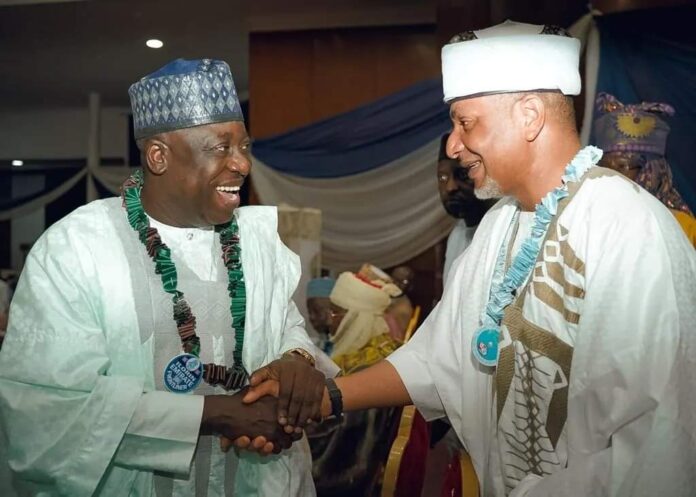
x=634, y=138
x=359, y=331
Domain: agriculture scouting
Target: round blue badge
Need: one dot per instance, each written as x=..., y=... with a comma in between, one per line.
x=484, y=346
x=183, y=373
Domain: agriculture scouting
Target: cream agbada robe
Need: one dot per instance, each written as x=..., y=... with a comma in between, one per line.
x=81, y=395
x=595, y=391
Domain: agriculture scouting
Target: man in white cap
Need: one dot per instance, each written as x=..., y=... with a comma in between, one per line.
x=563, y=349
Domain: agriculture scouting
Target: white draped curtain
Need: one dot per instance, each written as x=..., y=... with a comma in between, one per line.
x=384, y=216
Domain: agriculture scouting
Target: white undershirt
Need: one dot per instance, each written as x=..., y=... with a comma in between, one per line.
x=191, y=246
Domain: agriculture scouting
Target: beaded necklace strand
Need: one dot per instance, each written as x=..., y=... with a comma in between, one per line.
x=229, y=378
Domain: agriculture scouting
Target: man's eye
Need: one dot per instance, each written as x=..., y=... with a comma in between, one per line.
x=467, y=124
x=442, y=178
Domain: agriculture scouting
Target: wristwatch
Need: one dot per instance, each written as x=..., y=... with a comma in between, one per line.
x=303, y=354
x=335, y=396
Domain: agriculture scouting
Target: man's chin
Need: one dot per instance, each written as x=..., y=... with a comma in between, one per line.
x=489, y=189
x=217, y=220
x=456, y=213
x=456, y=209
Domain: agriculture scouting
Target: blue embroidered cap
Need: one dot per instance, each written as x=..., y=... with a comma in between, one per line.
x=184, y=94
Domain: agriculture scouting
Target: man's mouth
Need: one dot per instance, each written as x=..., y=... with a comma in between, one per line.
x=472, y=164
x=228, y=196
x=472, y=167
x=228, y=189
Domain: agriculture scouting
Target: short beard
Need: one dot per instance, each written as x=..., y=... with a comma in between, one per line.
x=489, y=189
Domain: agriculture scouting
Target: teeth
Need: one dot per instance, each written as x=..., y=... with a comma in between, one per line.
x=228, y=189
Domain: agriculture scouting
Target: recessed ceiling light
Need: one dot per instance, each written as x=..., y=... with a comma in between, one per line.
x=154, y=43
x=17, y=163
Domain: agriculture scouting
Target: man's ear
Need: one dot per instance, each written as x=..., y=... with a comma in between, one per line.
x=533, y=111
x=156, y=156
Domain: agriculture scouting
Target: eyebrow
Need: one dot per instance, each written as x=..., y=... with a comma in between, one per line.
x=455, y=117
x=227, y=136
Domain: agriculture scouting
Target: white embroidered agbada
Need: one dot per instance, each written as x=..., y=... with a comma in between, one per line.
x=594, y=391
x=81, y=396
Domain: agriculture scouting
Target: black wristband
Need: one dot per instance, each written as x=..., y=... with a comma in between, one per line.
x=335, y=397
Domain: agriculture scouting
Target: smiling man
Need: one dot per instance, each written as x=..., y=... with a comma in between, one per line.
x=127, y=305
x=562, y=351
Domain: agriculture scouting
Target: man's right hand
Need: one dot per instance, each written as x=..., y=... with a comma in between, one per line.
x=228, y=416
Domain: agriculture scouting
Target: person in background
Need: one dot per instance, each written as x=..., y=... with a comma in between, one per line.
x=349, y=451
x=319, y=309
x=400, y=311
x=634, y=138
x=358, y=330
x=459, y=200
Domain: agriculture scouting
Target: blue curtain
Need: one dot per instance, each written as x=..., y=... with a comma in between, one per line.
x=651, y=56
x=363, y=139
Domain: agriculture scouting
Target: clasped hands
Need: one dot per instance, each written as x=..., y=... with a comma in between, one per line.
x=269, y=415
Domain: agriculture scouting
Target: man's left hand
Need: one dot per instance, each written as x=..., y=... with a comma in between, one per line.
x=300, y=390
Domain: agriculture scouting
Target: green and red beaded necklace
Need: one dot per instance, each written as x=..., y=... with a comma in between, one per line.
x=229, y=378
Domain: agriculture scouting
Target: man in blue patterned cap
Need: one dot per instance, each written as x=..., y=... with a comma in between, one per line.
x=126, y=304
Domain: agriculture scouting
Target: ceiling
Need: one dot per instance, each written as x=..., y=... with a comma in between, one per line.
x=54, y=52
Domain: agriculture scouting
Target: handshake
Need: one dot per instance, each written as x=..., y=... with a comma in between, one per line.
x=269, y=415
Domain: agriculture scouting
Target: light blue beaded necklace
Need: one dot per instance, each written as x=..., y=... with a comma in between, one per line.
x=485, y=343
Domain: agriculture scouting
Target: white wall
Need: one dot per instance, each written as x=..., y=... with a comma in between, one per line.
x=54, y=134
x=61, y=133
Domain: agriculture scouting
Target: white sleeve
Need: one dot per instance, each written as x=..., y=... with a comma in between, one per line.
x=294, y=334
x=163, y=433
x=67, y=419
x=411, y=362
x=63, y=414
x=632, y=409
